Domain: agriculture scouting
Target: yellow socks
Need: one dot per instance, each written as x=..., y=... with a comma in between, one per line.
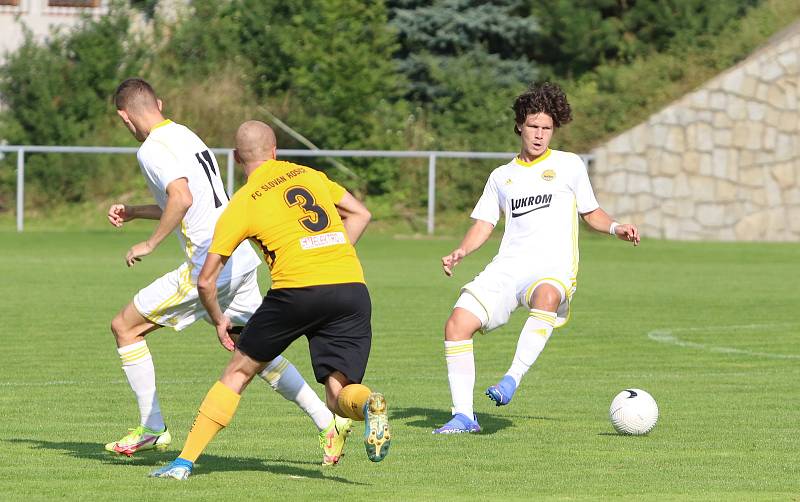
x=352, y=399
x=216, y=412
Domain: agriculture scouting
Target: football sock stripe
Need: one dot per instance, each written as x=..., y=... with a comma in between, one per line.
x=460, y=361
x=137, y=364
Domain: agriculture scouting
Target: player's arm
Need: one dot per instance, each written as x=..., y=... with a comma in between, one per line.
x=477, y=234
x=355, y=216
x=602, y=222
x=207, y=290
x=120, y=213
x=179, y=200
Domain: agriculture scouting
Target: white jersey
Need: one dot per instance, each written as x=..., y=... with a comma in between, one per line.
x=172, y=151
x=541, y=201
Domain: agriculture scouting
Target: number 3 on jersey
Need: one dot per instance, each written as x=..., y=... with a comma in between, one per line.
x=300, y=196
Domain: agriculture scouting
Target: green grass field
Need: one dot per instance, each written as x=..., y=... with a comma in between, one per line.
x=710, y=329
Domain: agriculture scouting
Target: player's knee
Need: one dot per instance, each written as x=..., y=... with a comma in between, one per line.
x=120, y=329
x=546, y=297
x=455, y=329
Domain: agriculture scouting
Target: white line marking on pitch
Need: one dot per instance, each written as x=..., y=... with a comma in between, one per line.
x=667, y=336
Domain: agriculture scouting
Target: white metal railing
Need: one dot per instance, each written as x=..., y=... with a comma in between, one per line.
x=20, y=151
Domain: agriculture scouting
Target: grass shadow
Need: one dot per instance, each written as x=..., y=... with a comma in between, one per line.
x=427, y=418
x=206, y=464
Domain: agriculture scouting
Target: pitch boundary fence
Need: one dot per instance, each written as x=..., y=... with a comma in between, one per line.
x=21, y=150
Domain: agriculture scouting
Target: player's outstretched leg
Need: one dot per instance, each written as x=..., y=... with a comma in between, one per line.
x=377, y=436
x=503, y=391
x=179, y=469
x=141, y=439
x=332, y=439
x=459, y=424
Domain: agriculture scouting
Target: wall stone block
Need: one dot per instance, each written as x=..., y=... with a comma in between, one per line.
x=752, y=227
x=639, y=139
x=752, y=176
x=710, y=215
x=776, y=97
x=723, y=137
x=616, y=183
x=792, y=196
x=683, y=187
x=638, y=183
x=726, y=191
x=770, y=140
x=721, y=119
x=636, y=164
x=756, y=110
x=762, y=91
x=771, y=70
x=785, y=174
x=675, y=139
x=786, y=147
x=733, y=82
x=702, y=188
x=789, y=121
x=644, y=202
x=789, y=60
x=663, y=187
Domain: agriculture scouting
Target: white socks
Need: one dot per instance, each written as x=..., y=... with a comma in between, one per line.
x=137, y=363
x=461, y=373
x=284, y=378
x=531, y=342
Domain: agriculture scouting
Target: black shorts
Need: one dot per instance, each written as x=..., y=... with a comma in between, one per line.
x=335, y=318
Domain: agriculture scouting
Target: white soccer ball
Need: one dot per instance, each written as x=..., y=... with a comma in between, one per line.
x=634, y=412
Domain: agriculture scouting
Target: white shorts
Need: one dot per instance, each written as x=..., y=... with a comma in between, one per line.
x=500, y=289
x=172, y=299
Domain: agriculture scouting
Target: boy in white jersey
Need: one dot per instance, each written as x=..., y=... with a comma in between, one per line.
x=541, y=193
x=184, y=179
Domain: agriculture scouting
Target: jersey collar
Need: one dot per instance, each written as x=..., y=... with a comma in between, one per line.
x=160, y=124
x=535, y=161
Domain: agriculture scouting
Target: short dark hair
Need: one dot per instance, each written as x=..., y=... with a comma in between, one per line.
x=544, y=97
x=134, y=93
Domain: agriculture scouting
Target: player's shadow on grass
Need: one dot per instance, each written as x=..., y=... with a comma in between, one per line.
x=206, y=465
x=427, y=418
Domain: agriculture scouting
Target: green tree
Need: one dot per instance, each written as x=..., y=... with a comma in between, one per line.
x=59, y=93
x=578, y=35
x=433, y=32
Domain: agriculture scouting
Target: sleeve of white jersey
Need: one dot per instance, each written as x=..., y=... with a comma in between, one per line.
x=584, y=195
x=163, y=166
x=488, y=206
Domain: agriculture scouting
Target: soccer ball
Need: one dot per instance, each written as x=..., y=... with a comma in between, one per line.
x=634, y=412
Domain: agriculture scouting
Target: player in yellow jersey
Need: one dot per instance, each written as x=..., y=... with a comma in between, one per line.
x=306, y=226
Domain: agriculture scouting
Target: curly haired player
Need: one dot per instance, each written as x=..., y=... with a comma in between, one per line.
x=541, y=193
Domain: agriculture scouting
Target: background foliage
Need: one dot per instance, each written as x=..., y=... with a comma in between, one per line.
x=392, y=74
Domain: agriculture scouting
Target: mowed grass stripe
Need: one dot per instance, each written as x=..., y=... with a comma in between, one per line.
x=728, y=426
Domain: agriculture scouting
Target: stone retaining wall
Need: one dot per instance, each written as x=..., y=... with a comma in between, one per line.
x=721, y=163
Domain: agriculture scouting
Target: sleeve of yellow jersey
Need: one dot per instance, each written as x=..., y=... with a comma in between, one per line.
x=336, y=190
x=232, y=228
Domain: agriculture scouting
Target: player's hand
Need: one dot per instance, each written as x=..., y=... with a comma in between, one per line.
x=223, y=327
x=118, y=214
x=450, y=261
x=137, y=251
x=628, y=232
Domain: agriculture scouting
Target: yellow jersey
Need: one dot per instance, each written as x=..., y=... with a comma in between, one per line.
x=289, y=210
